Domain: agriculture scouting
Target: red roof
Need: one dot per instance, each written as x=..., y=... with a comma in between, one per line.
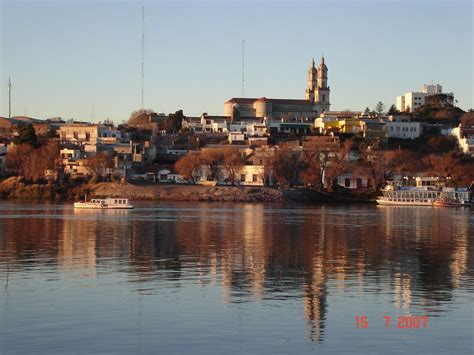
x=249, y=100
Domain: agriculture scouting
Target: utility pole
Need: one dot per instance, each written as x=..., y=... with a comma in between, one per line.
x=143, y=50
x=243, y=68
x=9, y=98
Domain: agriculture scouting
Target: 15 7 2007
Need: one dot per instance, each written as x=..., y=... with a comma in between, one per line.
x=402, y=322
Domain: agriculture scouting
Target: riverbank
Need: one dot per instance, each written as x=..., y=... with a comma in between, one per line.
x=14, y=188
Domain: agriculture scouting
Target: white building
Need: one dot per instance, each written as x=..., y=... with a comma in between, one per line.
x=465, y=136
x=245, y=175
x=236, y=137
x=402, y=127
x=410, y=101
x=214, y=124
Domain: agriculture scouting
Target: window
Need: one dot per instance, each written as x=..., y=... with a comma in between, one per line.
x=208, y=122
x=76, y=135
x=391, y=128
x=359, y=182
x=254, y=178
x=347, y=182
x=88, y=136
x=324, y=98
x=242, y=177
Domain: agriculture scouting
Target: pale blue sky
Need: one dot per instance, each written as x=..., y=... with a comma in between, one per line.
x=65, y=57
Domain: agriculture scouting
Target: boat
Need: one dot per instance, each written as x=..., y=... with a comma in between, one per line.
x=394, y=194
x=105, y=203
x=450, y=202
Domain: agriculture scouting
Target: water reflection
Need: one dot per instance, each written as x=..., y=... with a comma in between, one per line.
x=252, y=253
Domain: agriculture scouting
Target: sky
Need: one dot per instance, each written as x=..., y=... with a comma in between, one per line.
x=82, y=59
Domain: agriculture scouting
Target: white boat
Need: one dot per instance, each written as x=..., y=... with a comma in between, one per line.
x=396, y=195
x=104, y=203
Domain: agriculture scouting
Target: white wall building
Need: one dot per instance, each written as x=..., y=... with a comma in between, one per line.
x=410, y=101
x=236, y=137
x=402, y=127
x=246, y=175
x=465, y=136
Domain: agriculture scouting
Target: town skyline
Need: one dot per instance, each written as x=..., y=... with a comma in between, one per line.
x=92, y=67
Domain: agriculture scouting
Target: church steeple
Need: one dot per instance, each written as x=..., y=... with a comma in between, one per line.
x=312, y=82
x=322, y=91
x=322, y=74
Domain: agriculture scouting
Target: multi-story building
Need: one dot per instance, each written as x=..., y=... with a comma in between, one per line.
x=410, y=101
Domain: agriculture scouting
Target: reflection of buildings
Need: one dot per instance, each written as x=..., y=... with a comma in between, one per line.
x=255, y=252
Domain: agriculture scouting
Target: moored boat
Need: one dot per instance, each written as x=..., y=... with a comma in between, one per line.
x=105, y=203
x=396, y=195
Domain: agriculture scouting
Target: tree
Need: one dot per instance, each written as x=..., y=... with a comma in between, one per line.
x=285, y=165
x=379, y=109
x=233, y=162
x=174, y=121
x=467, y=119
x=188, y=165
x=336, y=166
x=393, y=110
x=142, y=116
x=213, y=158
x=26, y=135
x=99, y=164
x=31, y=163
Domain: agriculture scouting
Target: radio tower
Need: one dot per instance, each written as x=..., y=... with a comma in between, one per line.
x=143, y=50
x=9, y=98
x=243, y=67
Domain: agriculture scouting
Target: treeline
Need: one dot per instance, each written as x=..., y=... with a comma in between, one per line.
x=319, y=168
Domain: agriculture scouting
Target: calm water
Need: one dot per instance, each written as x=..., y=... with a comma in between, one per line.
x=234, y=278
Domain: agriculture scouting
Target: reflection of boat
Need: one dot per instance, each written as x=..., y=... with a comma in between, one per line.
x=450, y=202
x=396, y=195
x=104, y=203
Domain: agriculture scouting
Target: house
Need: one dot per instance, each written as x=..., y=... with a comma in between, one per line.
x=192, y=124
x=236, y=137
x=167, y=176
x=352, y=181
x=245, y=175
x=401, y=126
x=291, y=127
x=465, y=136
x=89, y=133
x=339, y=122
x=214, y=124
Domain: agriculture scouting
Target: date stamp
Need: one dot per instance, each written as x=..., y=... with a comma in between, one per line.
x=401, y=322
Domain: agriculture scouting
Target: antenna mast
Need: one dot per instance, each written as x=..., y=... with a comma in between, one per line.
x=243, y=67
x=143, y=49
x=9, y=98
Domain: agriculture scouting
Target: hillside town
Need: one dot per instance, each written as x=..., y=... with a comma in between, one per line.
x=422, y=139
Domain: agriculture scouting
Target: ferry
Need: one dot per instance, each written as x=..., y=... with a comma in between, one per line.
x=105, y=203
x=396, y=195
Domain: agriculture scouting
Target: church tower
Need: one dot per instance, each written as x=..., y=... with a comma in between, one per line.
x=312, y=83
x=322, y=91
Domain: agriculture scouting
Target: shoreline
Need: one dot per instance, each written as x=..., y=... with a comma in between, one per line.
x=14, y=189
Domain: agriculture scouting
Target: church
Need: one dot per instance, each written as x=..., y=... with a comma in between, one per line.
x=316, y=101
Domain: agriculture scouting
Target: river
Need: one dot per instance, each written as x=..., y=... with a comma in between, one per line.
x=235, y=278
